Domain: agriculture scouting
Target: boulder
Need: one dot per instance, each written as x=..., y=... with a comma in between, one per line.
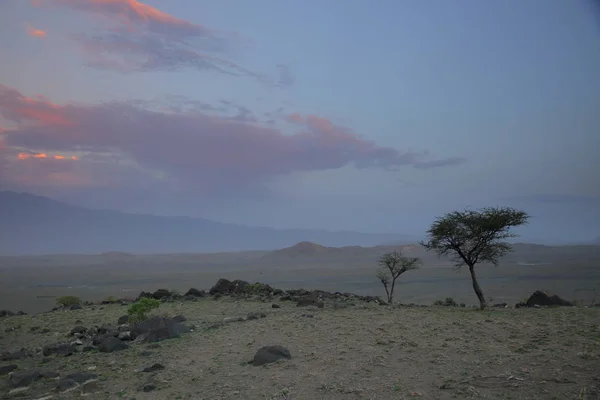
x=161, y=294
x=59, y=349
x=123, y=319
x=195, y=293
x=540, y=298
x=25, y=378
x=227, y=287
x=156, y=329
x=269, y=354
x=6, y=369
x=111, y=344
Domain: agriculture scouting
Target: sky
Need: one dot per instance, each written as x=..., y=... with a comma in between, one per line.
x=339, y=115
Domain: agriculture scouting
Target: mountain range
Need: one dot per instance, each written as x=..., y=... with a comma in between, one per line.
x=31, y=224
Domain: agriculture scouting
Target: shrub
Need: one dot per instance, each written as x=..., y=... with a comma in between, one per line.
x=139, y=311
x=68, y=301
x=111, y=299
x=253, y=288
x=448, y=302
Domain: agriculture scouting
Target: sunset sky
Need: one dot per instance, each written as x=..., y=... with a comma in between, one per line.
x=374, y=116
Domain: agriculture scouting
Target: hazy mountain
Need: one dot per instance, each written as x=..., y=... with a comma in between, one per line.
x=38, y=225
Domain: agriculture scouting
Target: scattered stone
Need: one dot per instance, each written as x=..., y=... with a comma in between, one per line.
x=125, y=335
x=255, y=315
x=148, y=387
x=15, y=355
x=124, y=319
x=154, y=367
x=25, y=378
x=59, y=349
x=310, y=301
x=79, y=329
x=179, y=318
x=111, y=344
x=5, y=369
x=91, y=368
x=275, y=306
x=73, y=381
x=269, y=354
x=195, y=293
x=161, y=294
x=539, y=298
x=156, y=329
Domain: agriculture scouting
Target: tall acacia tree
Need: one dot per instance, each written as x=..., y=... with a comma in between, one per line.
x=472, y=237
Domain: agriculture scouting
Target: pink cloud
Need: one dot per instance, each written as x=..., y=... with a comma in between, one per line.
x=35, y=32
x=191, y=147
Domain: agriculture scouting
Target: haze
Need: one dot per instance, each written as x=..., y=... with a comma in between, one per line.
x=337, y=115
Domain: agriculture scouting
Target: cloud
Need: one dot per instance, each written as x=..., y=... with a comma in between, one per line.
x=31, y=31
x=440, y=163
x=192, y=148
x=143, y=38
x=562, y=199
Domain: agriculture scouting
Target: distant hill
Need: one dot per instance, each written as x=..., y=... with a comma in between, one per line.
x=32, y=224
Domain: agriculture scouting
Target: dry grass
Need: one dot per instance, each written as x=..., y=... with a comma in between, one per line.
x=361, y=352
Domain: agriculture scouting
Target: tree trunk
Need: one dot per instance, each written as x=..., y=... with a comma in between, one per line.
x=478, y=292
x=391, y=295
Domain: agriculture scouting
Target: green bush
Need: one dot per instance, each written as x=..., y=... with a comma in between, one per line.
x=448, y=302
x=139, y=311
x=68, y=301
x=253, y=288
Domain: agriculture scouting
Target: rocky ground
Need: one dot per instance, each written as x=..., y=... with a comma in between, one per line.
x=253, y=342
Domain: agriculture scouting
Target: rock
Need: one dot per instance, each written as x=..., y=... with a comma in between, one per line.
x=79, y=329
x=111, y=344
x=6, y=313
x=73, y=381
x=90, y=387
x=123, y=319
x=25, y=378
x=59, y=349
x=195, y=293
x=539, y=298
x=5, y=369
x=500, y=305
x=179, y=318
x=15, y=355
x=269, y=354
x=255, y=315
x=148, y=387
x=227, y=320
x=161, y=294
x=156, y=329
x=125, y=335
x=227, y=287
x=75, y=307
x=275, y=306
x=287, y=297
x=145, y=294
x=310, y=301
x=153, y=368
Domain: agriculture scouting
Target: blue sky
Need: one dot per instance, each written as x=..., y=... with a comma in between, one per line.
x=336, y=115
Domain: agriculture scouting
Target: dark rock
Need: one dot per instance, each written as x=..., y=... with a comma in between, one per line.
x=104, y=329
x=275, y=306
x=90, y=387
x=123, y=319
x=156, y=329
x=287, y=297
x=111, y=344
x=310, y=301
x=6, y=313
x=269, y=354
x=5, y=369
x=145, y=353
x=15, y=355
x=59, y=349
x=190, y=298
x=25, y=378
x=74, y=380
x=34, y=328
x=75, y=307
x=149, y=387
x=255, y=315
x=539, y=298
x=21, y=313
x=154, y=367
x=146, y=295
x=179, y=318
x=195, y=293
x=307, y=315
x=66, y=384
x=125, y=336
x=78, y=329
x=161, y=294
x=227, y=287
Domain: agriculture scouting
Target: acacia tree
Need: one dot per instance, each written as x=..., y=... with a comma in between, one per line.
x=392, y=265
x=472, y=237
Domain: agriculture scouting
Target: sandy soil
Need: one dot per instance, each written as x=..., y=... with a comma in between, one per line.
x=362, y=352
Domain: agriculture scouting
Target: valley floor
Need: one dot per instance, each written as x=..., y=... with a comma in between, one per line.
x=357, y=352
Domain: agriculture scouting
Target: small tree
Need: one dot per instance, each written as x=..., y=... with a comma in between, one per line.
x=139, y=311
x=392, y=265
x=472, y=237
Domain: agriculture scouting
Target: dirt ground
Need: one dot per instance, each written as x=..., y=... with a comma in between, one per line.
x=357, y=352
